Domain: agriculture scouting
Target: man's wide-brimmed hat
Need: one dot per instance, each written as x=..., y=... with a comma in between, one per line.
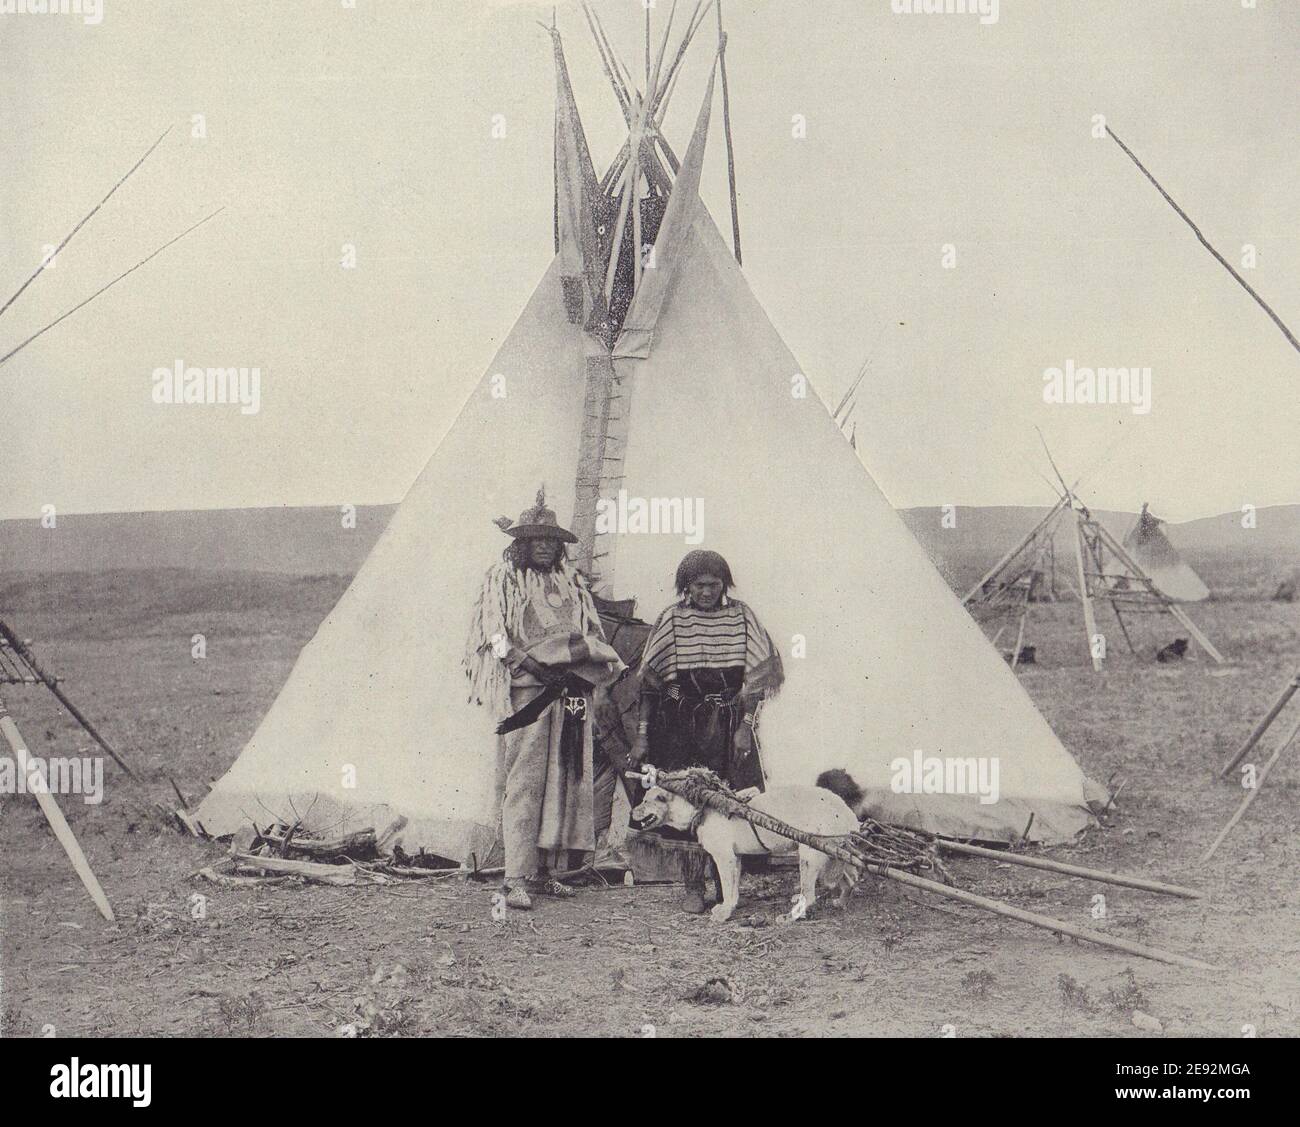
x=537, y=523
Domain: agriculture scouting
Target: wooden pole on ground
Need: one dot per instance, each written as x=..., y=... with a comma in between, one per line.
x=1253, y=793
x=844, y=848
x=1283, y=697
x=54, y=815
x=1071, y=870
x=1042, y=921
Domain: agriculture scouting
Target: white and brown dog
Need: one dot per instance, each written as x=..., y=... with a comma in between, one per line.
x=812, y=809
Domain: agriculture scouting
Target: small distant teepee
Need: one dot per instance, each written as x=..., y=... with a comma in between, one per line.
x=1151, y=550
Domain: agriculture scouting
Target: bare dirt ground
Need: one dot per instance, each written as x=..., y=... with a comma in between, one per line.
x=425, y=958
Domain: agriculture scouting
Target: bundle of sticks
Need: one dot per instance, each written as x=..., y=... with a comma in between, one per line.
x=284, y=850
x=875, y=844
x=900, y=854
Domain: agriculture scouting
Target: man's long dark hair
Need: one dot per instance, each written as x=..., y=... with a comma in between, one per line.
x=517, y=553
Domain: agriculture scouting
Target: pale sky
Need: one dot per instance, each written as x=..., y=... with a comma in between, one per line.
x=373, y=126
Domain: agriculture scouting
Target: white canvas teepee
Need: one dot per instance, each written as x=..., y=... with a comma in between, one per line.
x=1151, y=550
x=697, y=398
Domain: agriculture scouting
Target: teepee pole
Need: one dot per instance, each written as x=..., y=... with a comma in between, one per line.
x=636, y=230
x=54, y=815
x=1097, y=547
x=1020, y=633
x=1003, y=856
x=1292, y=687
x=633, y=171
x=1085, y=596
x=81, y=304
x=1020, y=547
x=1024, y=612
x=89, y=215
x=50, y=682
x=619, y=92
x=843, y=848
x=1286, y=332
x=659, y=102
x=1172, y=607
x=726, y=128
x=844, y=400
x=630, y=175
x=652, y=89
x=1036, y=920
x=1253, y=793
x=665, y=91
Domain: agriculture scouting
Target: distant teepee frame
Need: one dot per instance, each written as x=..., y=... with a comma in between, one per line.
x=18, y=666
x=1104, y=572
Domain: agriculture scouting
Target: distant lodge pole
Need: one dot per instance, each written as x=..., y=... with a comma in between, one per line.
x=1085, y=594
x=1206, y=243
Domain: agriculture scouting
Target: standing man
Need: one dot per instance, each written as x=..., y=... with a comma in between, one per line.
x=536, y=656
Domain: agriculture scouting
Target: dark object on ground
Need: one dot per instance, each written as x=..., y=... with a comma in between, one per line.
x=1175, y=651
x=715, y=992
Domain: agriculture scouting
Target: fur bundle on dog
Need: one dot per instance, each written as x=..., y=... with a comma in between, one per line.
x=840, y=782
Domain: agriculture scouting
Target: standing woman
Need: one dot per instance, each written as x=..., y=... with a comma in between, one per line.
x=707, y=666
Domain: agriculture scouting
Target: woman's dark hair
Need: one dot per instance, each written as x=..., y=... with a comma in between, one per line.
x=702, y=562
